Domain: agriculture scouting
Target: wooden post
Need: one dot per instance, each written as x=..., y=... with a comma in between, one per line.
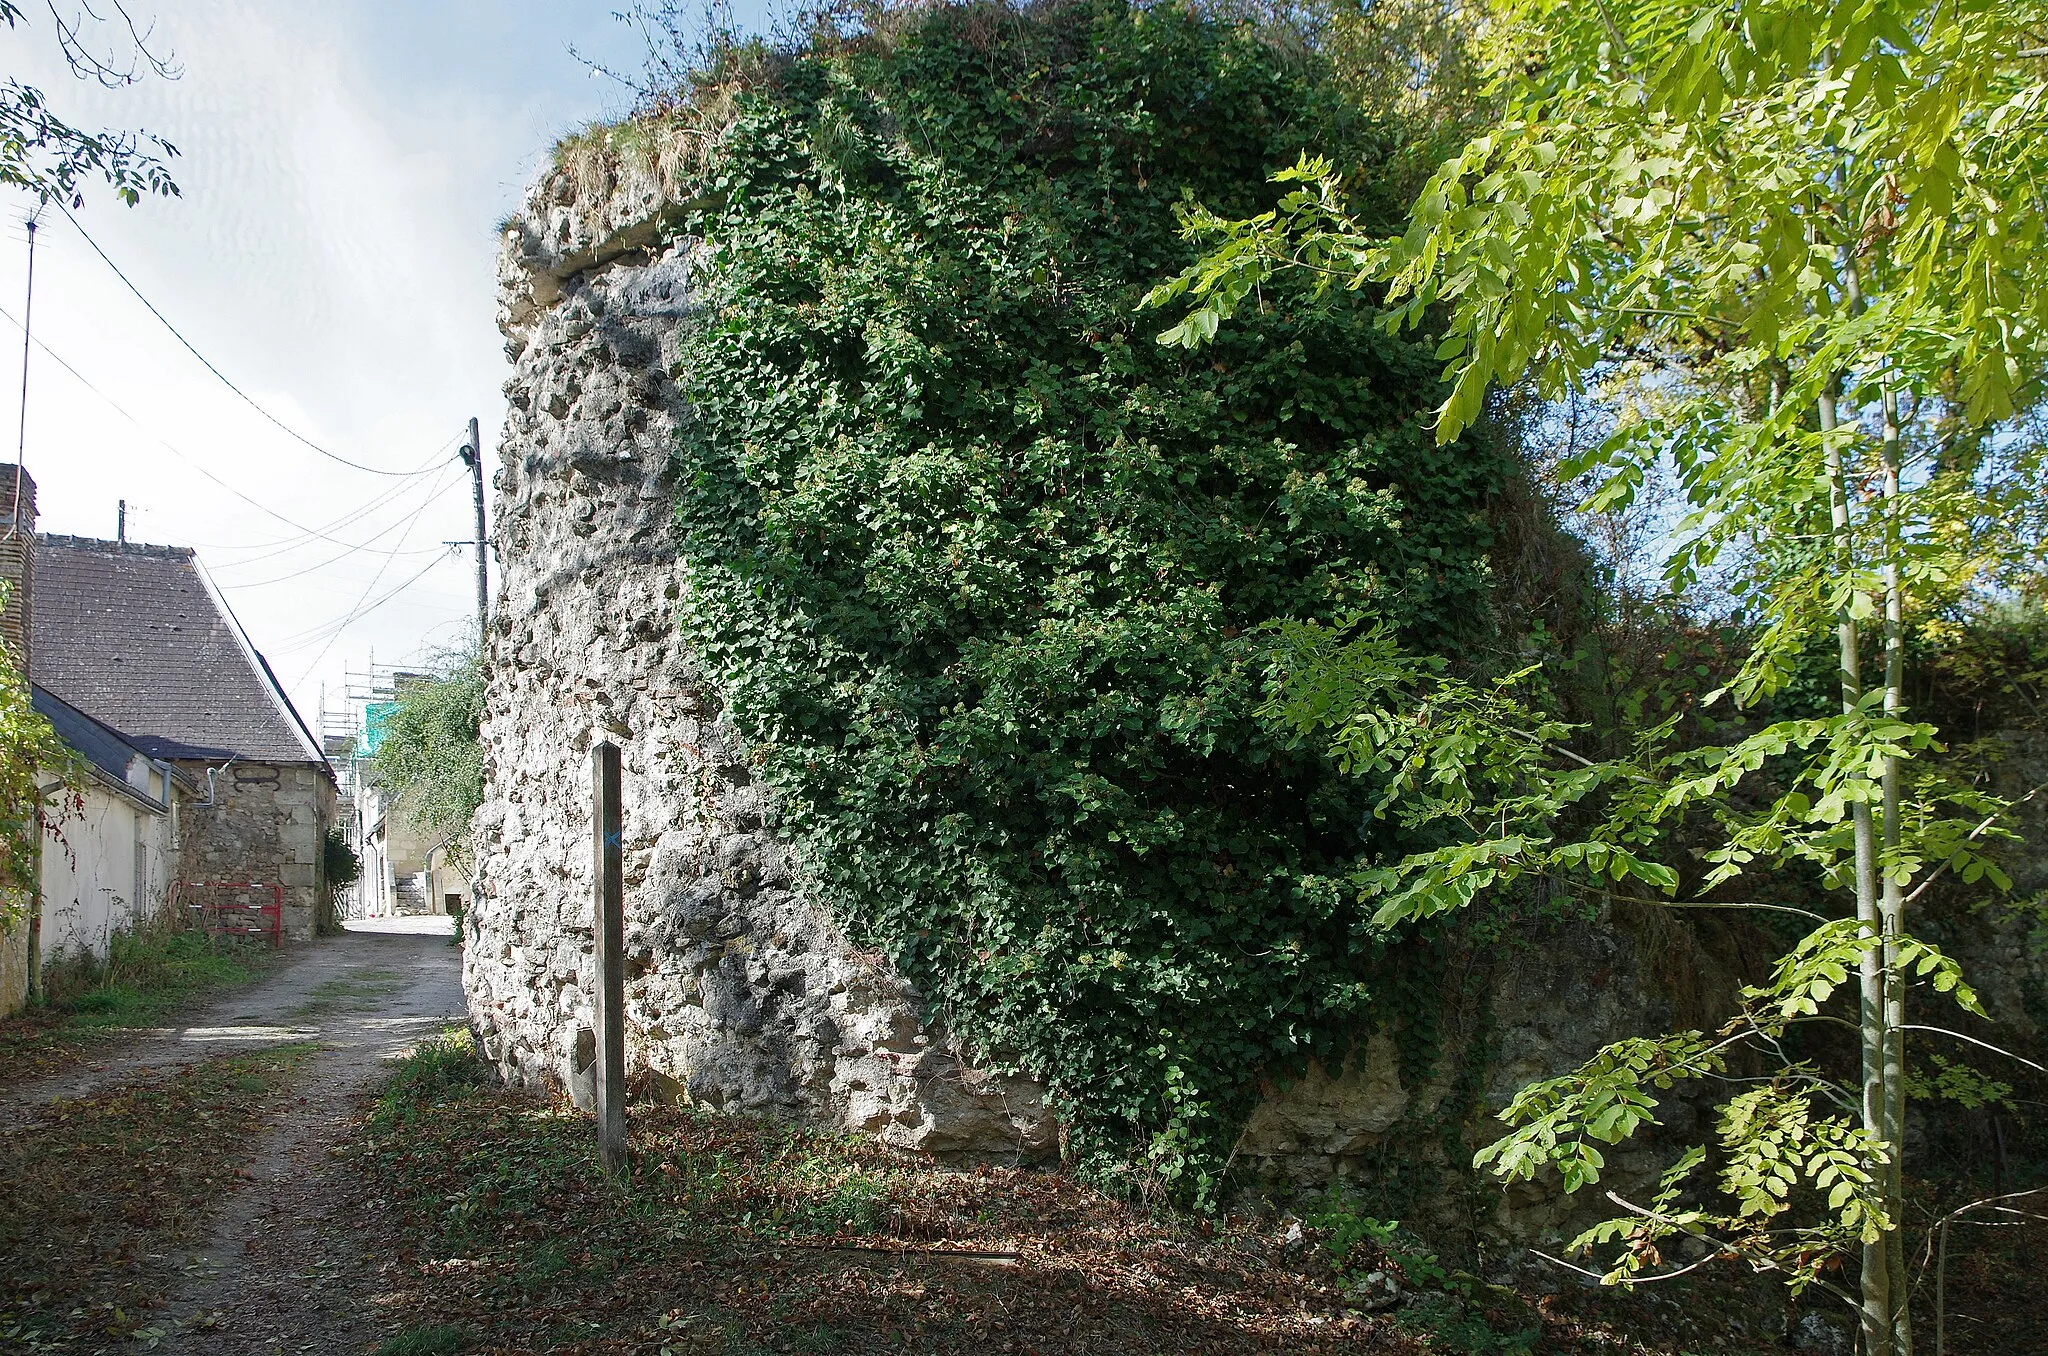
x=608, y=929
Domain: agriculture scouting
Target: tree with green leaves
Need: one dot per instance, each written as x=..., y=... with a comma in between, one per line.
x=1817, y=230
x=45, y=155
x=428, y=758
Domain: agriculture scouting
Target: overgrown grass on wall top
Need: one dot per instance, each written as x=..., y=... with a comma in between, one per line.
x=980, y=568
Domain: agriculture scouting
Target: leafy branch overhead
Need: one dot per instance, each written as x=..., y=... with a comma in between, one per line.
x=45, y=155
x=1801, y=249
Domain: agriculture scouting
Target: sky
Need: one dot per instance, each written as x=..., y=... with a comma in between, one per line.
x=342, y=169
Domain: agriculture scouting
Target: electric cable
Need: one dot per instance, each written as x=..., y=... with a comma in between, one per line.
x=207, y=363
x=360, y=610
x=288, y=545
x=355, y=615
x=299, y=639
x=306, y=533
x=28, y=315
x=335, y=560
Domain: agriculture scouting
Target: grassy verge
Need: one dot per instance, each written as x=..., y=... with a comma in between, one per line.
x=95, y=1190
x=146, y=977
x=734, y=1235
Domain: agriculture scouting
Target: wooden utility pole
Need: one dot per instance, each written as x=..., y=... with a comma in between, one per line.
x=473, y=457
x=608, y=929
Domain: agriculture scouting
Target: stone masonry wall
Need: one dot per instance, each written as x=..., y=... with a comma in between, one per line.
x=267, y=824
x=741, y=993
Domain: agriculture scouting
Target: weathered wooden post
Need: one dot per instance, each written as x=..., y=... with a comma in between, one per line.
x=608, y=929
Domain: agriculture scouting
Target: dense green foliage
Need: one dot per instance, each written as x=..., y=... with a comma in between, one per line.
x=428, y=756
x=981, y=568
x=1799, y=245
x=339, y=863
x=340, y=867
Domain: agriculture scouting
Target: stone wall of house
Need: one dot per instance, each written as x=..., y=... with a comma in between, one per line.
x=267, y=824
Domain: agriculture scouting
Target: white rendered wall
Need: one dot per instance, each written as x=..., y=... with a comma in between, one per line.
x=89, y=881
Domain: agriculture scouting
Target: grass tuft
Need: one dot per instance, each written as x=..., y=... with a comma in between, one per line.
x=439, y=1069
x=440, y=1339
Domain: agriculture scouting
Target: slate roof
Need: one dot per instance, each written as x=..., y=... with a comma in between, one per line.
x=104, y=748
x=135, y=637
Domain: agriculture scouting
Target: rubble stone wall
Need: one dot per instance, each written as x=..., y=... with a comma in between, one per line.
x=267, y=823
x=741, y=993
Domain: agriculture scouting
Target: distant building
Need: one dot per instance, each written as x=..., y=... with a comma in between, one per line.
x=405, y=869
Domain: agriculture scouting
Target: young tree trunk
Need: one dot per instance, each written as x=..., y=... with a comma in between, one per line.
x=1876, y=1275
x=1892, y=903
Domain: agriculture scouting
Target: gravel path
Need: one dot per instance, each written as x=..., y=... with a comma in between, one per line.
x=291, y=1266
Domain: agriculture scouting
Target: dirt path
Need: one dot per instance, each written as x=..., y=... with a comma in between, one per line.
x=286, y=1266
x=370, y=992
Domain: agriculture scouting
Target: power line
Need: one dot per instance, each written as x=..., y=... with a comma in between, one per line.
x=360, y=610
x=306, y=533
x=208, y=365
x=355, y=615
x=270, y=550
x=336, y=560
x=298, y=639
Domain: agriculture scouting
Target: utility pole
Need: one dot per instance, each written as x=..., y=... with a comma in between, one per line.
x=121, y=522
x=28, y=315
x=473, y=457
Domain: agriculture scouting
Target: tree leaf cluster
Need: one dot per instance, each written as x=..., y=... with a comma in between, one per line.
x=44, y=155
x=428, y=757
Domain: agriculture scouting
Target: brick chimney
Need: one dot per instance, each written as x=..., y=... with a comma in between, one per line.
x=17, y=560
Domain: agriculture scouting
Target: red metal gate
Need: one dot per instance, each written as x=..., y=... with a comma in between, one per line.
x=231, y=908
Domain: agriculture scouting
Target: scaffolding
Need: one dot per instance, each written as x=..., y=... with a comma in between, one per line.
x=349, y=720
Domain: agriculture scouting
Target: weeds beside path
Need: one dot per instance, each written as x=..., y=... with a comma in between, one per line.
x=740, y=1235
x=144, y=981
x=733, y=1236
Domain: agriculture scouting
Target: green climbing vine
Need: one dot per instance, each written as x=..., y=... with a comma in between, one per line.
x=982, y=570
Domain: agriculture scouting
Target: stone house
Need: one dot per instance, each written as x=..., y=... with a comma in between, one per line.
x=406, y=869
x=137, y=639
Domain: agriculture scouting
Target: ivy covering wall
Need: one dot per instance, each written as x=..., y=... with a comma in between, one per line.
x=981, y=569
